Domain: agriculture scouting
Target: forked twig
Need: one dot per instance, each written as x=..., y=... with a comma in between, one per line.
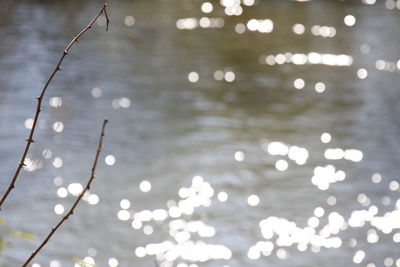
x=40, y=99
x=71, y=211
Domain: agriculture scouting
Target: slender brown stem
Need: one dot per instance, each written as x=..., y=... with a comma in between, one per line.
x=40, y=99
x=71, y=211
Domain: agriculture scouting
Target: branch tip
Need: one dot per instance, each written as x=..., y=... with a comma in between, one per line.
x=106, y=15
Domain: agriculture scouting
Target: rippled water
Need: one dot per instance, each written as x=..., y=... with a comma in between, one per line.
x=172, y=118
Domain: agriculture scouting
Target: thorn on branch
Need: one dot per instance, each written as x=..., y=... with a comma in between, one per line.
x=106, y=15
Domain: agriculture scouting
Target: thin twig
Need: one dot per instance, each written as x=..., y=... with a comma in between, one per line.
x=71, y=211
x=40, y=99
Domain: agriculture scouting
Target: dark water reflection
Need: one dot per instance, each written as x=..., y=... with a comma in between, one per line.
x=176, y=130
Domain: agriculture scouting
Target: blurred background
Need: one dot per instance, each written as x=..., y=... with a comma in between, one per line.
x=242, y=133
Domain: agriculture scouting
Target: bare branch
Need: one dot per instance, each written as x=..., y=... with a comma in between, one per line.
x=40, y=99
x=71, y=211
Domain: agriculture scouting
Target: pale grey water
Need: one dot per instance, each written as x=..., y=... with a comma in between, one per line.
x=176, y=130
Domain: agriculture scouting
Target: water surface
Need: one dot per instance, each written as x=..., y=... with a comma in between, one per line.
x=170, y=129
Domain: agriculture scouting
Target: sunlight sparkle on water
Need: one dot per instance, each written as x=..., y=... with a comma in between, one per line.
x=96, y=92
x=123, y=215
x=59, y=209
x=110, y=160
x=323, y=31
x=239, y=155
x=262, y=26
x=136, y=224
x=362, y=73
x=55, y=101
x=148, y=230
x=182, y=230
x=354, y=155
x=93, y=199
x=55, y=263
x=207, y=7
x=349, y=20
x=299, y=84
x=145, y=186
x=298, y=28
x=319, y=212
x=204, y=22
x=222, y=196
x=58, y=126
x=359, y=256
x=279, y=232
x=57, y=162
x=144, y=215
x=125, y=204
x=75, y=189
x=324, y=176
x=394, y=185
x=365, y=48
x=58, y=181
x=386, y=65
x=320, y=87
x=369, y=2
x=32, y=165
x=295, y=153
x=28, y=123
x=218, y=75
x=46, y=153
x=229, y=76
x=193, y=77
x=331, y=201
x=281, y=165
x=376, y=178
x=62, y=192
x=277, y=148
x=129, y=21
x=113, y=262
x=253, y=200
x=248, y=2
x=311, y=58
x=298, y=154
x=326, y=138
x=240, y=28
x=124, y=102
